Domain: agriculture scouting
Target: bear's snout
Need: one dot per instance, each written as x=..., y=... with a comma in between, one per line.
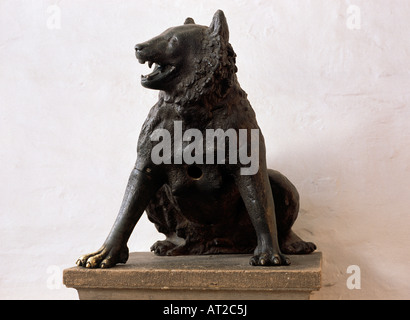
x=139, y=46
x=139, y=52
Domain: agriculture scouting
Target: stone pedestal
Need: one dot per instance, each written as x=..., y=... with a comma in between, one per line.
x=223, y=277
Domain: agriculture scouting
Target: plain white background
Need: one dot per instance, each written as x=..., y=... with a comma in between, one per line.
x=331, y=94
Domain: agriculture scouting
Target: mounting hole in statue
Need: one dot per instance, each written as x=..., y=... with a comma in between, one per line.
x=194, y=172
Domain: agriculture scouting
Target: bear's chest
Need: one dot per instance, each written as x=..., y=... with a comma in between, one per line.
x=193, y=179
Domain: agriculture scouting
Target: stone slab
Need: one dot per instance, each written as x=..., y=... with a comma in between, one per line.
x=147, y=276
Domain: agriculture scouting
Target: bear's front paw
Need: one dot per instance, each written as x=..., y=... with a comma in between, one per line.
x=269, y=259
x=106, y=257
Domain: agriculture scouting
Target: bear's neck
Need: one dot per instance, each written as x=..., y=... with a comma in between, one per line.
x=200, y=112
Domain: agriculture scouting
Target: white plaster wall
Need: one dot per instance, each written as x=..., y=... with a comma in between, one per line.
x=333, y=104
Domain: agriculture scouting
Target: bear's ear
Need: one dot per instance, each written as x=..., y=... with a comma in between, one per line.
x=189, y=21
x=219, y=25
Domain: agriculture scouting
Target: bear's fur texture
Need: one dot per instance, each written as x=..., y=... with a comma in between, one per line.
x=202, y=208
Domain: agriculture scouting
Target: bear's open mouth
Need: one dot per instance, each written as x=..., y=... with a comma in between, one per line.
x=160, y=72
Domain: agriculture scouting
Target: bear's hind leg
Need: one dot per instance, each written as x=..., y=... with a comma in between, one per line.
x=165, y=214
x=293, y=244
x=165, y=247
x=286, y=199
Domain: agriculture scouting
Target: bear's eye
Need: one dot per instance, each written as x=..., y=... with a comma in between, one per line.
x=173, y=40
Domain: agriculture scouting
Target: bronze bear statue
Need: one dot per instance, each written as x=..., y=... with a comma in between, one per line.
x=205, y=203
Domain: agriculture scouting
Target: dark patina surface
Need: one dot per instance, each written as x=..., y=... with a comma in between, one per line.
x=202, y=208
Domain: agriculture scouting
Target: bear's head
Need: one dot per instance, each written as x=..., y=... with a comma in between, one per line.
x=190, y=61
